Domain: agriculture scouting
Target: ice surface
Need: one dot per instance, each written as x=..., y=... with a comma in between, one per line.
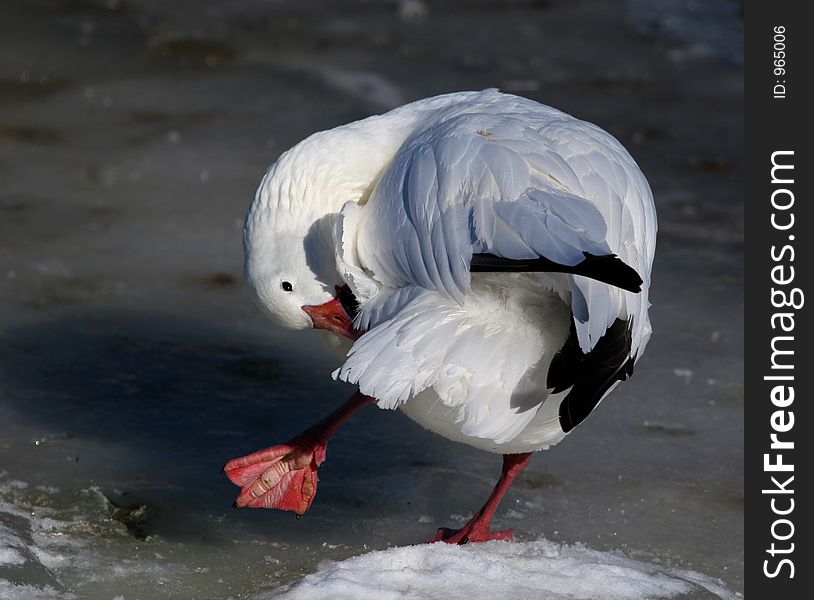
x=9, y=555
x=541, y=570
x=709, y=28
x=11, y=591
x=42, y=545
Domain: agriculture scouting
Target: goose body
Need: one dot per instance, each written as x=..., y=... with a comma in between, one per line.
x=408, y=199
x=489, y=256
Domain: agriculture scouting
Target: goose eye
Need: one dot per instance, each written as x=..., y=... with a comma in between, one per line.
x=287, y=286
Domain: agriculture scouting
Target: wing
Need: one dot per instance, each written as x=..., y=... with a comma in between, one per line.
x=524, y=186
x=611, y=181
x=587, y=378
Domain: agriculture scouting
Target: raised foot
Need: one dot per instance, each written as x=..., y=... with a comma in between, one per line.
x=471, y=533
x=283, y=476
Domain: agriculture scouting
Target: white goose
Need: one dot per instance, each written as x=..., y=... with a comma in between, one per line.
x=489, y=256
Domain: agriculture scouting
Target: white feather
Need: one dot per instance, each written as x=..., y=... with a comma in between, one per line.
x=516, y=179
x=483, y=357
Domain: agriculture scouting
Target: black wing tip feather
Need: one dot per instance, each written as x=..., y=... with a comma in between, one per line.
x=607, y=268
x=590, y=375
x=610, y=269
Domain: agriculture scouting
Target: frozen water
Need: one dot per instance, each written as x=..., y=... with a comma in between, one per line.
x=540, y=570
x=50, y=545
x=133, y=364
x=47, y=541
x=698, y=28
x=10, y=591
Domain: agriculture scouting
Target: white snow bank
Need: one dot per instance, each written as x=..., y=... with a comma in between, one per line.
x=538, y=570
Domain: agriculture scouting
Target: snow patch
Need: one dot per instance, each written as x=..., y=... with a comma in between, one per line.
x=11, y=546
x=10, y=556
x=538, y=570
x=30, y=592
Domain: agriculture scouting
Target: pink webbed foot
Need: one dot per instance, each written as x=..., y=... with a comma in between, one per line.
x=473, y=532
x=283, y=476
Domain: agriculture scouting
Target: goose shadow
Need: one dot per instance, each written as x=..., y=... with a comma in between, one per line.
x=154, y=405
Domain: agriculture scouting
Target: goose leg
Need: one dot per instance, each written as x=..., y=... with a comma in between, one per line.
x=477, y=529
x=285, y=476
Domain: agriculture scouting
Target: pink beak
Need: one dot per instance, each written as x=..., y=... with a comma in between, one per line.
x=333, y=317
